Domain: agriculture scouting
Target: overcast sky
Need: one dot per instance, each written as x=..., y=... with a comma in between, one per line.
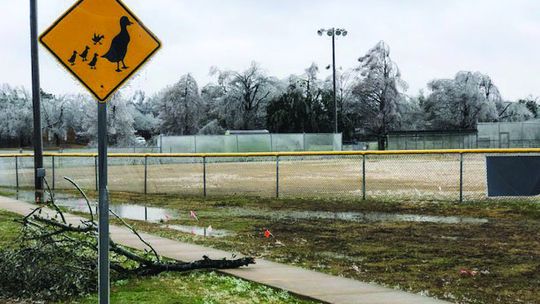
x=428, y=39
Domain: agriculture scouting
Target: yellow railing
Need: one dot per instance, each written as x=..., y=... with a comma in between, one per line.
x=299, y=153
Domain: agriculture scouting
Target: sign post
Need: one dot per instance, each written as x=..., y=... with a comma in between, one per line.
x=103, y=208
x=102, y=43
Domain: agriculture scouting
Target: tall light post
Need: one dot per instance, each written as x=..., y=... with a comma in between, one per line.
x=39, y=171
x=333, y=32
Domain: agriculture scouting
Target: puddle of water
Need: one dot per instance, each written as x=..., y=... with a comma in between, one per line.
x=126, y=211
x=141, y=212
x=360, y=216
x=202, y=231
x=130, y=211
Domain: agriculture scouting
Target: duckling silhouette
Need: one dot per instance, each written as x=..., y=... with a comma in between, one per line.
x=117, y=51
x=93, y=62
x=72, y=58
x=84, y=53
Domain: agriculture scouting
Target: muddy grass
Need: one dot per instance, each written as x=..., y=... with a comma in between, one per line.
x=502, y=253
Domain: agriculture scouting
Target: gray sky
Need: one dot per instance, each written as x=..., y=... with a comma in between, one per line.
x=428, y=39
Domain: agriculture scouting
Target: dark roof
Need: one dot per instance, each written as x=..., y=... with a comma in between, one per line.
x=240, y=132
x=433, y=132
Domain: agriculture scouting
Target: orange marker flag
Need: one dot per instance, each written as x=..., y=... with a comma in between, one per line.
x=267, y=233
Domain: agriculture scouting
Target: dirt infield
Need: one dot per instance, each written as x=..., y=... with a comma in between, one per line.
x=404, y=176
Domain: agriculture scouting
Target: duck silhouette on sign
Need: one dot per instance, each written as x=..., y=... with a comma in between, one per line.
x=93, y=62
x=73, y=58
x=97, y=38
x=84, y=53
x=119, y=45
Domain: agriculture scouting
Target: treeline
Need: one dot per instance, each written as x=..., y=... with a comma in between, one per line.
x=371, y=101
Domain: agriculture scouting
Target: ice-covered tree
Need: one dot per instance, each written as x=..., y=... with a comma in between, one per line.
x=212, y=128
x=302, y=107
x=119, y=121
x=145, y=120
x=515, y=111
x=532, y=104
x=53, y=115
x=179, y=107
x=412, y=115
x=15, y=115
x=461, y=102
x=348, y=111
x=243, y=96
x=378, y=92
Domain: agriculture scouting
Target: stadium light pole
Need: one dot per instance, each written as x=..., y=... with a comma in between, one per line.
x=333, y=32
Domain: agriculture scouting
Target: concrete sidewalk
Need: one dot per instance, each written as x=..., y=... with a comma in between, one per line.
x=303, y=282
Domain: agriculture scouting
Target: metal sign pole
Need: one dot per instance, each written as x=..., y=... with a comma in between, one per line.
x=39, y=171
x=103, y=225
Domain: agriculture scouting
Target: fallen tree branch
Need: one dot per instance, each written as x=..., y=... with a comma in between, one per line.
x=156, y=255
x=84, y=195
x=51, y=202
x=47, y=230
x=205, y=263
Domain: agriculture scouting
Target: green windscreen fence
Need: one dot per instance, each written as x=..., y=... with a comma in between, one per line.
x=251, y=143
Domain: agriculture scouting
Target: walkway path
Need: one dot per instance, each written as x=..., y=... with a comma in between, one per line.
x=307, y=283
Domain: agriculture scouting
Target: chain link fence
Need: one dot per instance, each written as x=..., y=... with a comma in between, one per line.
x=388, y=175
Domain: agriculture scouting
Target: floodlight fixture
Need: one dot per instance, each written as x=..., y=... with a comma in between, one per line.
x=333, y=32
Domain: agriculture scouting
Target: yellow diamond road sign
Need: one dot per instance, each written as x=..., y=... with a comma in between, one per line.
x=101, y=42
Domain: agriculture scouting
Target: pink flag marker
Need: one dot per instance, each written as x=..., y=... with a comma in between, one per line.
x=193, y=215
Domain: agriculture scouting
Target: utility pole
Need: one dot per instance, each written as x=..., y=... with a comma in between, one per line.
x=39, y=171
x=334, y=79
x=333, y=32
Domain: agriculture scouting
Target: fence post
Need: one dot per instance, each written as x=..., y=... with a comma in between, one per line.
x=17, y=173
x=277, y=176
x=204, y=175
x=145, y=175
x=363, y=177
x=145, y=213
x=96, y=172
x=461, y=177
x=53, y=174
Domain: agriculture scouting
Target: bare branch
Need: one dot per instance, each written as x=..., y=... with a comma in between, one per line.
x=83, y=194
